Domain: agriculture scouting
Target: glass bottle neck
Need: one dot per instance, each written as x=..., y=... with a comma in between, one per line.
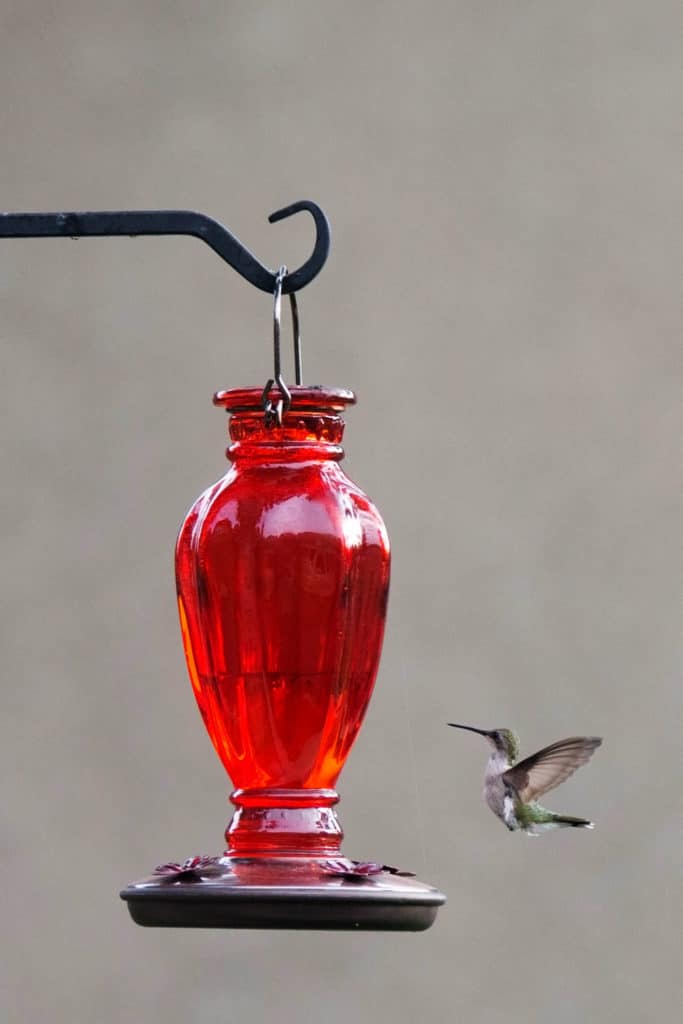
x=302, y=436
x=311, y=430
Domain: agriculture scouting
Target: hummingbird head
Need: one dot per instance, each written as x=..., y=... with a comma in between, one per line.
x=504, y=740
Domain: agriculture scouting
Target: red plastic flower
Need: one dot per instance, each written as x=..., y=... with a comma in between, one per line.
x=359, y=870
x=189, y=871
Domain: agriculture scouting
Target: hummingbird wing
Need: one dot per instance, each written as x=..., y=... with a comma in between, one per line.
x=549, y=767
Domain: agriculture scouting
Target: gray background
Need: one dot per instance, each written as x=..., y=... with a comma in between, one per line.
x=504, y=184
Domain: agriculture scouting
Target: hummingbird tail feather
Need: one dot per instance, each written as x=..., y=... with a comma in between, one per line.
x=569, y=822
x=535, y=820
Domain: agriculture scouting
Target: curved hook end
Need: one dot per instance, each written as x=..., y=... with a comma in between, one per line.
x=298, y=279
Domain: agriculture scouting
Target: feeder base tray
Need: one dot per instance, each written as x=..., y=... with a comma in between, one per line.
x=284, y=893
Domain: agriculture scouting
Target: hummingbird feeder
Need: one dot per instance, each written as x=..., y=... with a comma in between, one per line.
x=282, y=571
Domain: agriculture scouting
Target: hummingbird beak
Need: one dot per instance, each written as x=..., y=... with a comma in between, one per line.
x=470, y=728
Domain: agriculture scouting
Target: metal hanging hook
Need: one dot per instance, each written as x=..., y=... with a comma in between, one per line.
x=298, y=279
x=179, y=222
x=274, y=411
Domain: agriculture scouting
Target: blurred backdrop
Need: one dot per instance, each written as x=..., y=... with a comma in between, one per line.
x=504, y=186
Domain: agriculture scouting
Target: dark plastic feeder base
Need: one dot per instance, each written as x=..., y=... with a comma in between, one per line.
x=299, y=894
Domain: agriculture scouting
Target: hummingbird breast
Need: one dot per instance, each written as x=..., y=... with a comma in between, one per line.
x=497, y=793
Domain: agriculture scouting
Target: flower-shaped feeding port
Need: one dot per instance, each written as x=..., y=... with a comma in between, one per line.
x=190, y=870
x=283, y=576
x=358, y=870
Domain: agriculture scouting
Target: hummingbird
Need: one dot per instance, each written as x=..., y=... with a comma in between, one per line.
x=511, y=789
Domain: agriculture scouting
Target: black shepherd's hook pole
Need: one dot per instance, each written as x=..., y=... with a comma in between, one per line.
x=178, y=222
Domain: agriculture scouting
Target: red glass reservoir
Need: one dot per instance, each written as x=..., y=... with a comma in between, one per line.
x=283, y=572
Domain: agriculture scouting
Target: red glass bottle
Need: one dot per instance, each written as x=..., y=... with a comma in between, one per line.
x=283, y=573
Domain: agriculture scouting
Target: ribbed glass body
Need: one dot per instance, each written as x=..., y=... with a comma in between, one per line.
x=283, y=574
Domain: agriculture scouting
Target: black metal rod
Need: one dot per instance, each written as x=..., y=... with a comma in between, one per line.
x=178, y=222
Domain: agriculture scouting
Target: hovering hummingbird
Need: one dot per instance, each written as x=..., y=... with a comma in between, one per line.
x=511, y=789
